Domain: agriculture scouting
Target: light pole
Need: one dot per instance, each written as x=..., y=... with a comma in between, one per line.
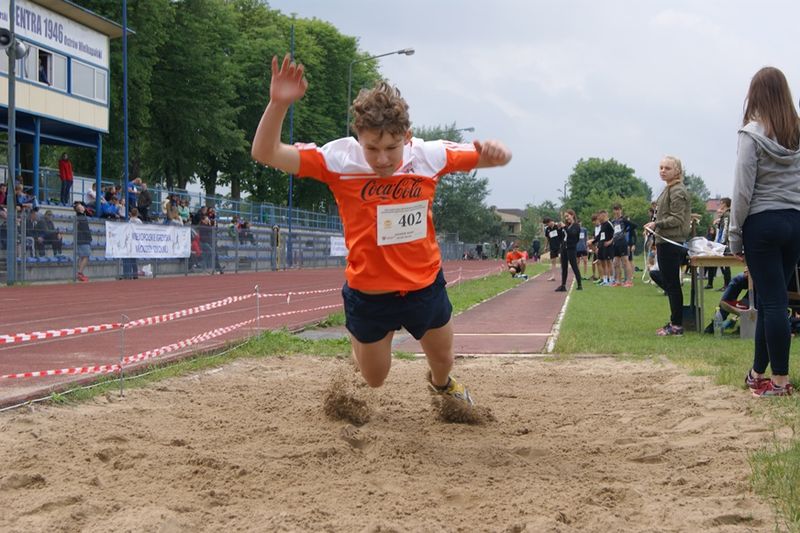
x=404, y=51
x=15, y=50
x=452, y=132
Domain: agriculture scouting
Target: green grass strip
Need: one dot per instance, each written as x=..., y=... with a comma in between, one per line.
x=623, y=321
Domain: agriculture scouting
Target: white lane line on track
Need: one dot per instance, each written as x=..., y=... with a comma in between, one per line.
x=502, y=334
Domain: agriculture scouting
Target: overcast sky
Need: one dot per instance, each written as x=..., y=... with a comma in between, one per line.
x=558, y=81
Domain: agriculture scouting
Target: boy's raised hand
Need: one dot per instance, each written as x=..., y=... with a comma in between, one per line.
x=288, y=84
x=492, y=153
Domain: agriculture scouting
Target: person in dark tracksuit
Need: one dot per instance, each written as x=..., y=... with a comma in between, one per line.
x=570, y=232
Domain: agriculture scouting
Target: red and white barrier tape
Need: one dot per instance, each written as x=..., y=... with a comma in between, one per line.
x=67, y=332
x=186, y=312
x=53, y=333
x=99, y=369
x=157, y=319
x=150, y=354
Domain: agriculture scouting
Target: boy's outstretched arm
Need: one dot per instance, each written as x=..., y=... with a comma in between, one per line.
x=287, y=86
x=492, y=153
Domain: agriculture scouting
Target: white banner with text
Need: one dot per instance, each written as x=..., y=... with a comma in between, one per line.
x=147, y=241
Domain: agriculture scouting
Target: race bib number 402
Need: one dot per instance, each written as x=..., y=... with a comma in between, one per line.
x=399, y=223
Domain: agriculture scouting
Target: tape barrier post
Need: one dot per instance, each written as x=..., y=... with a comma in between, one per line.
x=258, y=310
x=125, y=320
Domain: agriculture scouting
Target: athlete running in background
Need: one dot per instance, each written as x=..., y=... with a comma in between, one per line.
x=384, y=185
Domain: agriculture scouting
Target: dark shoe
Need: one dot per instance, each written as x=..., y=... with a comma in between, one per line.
x=670, y=330
x=755, y=384
x=708, y=287
x=579, y=288
x=561, y=288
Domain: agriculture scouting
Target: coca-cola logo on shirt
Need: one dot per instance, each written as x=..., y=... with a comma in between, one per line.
x=404, y=188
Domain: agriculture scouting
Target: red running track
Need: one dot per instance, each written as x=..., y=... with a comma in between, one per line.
x=44, y=307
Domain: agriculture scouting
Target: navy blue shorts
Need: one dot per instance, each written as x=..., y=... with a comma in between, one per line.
x=620, y=249
x=369, y=317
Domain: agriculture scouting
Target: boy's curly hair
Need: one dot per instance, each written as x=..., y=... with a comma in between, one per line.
x=381, y=108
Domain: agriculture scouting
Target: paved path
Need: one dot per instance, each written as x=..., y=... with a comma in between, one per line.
x=518, y=321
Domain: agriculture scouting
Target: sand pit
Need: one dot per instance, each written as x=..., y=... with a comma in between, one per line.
x=591, y=444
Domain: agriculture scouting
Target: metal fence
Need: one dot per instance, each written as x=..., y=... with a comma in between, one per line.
x=54, y=257
x=261, y=247
x=258, y=212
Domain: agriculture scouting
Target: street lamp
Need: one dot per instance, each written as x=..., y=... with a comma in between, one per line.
x=450, y=134
x=16, y=50
x=404, y=51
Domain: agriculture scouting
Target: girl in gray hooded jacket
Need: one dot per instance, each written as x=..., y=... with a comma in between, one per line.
x=765, y=220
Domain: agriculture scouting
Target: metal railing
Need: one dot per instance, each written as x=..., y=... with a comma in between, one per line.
x=223, y=249
x=226, y=208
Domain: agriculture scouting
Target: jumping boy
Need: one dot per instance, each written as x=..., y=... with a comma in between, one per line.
x=384, y=185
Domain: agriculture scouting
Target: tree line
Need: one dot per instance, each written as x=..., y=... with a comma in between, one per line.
x=198, y=82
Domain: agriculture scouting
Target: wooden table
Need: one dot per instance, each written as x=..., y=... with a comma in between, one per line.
x=698, y=264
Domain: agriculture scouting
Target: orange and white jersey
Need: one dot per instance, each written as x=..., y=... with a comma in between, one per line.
x=388, y=221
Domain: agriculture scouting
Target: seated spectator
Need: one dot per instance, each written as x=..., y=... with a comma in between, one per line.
x=516, y=262
x=111, y=209
x=212, y=216
x=34, y=242
x=49, y=234
x=90, y=198
x=730, y=301
x=173, y=217
x=199, y=215
x=183, y=211
x=245, y=234
x=3, y=195
x=3, y=228
x=233, y=229
x=24, y=200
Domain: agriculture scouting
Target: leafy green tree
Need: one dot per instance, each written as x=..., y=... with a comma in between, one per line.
x=699, y=196
x=152, y=22
x=459, y=207
x=600, y=176
x=194, y=81
x=532, y=227
x=319, y=117
x=448, y=132
x=696, y=186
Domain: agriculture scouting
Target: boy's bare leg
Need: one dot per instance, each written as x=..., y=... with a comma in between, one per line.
x=374, y=359
x=438, y=346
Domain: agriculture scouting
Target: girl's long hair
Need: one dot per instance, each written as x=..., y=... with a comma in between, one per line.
x=769, y=101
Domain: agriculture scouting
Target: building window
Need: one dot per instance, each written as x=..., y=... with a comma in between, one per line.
x=100, y=85
x=59, y=72
x=45, y=70
x=88, y=81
